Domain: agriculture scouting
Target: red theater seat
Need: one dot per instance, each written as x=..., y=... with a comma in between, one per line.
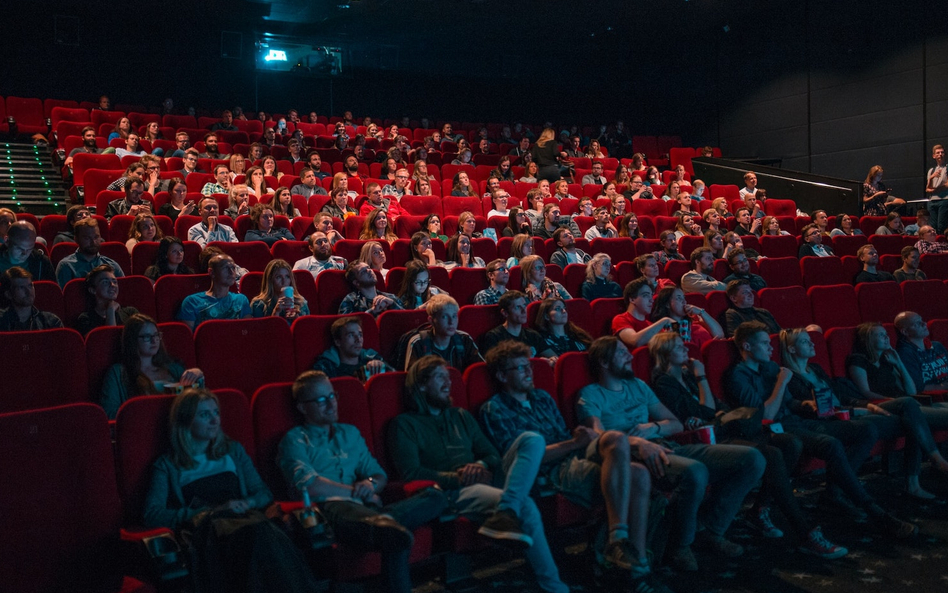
x=789, y=305
x=250, y=359
x=928, y=298
x=834, y=306
x=879, y=301
x=42, y=353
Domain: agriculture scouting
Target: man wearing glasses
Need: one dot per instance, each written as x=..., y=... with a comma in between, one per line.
x=332, y=463
x=498, y=274
x=573, y=461
x=813, y=243
x=399, y=188
x=373, y=192
x=190, y=163
x=132, y=204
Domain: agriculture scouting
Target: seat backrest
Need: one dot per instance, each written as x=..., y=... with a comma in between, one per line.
x=778, y=246
x=103, y=349
x=467, y=282
x=780, y=272
x=331, y=288
x=254, y=255
x=393, y=325
x=41, y=382
x=879, y=301
x=928, y=298
x=775, y=207
x=789, y=305
x=246, y=340
x=572, y=374
x=719, y=356
x=848, y=244
x=142, y=435
x=60, y=527
x=603, y=312
x=171, y=290
x=822, y=271
x=839, y=342
x=935, y=265
x=834, y=306
x=477, y=320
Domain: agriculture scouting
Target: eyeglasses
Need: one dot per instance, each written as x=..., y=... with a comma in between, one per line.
x=150, y=337
x=422, y=282
x=520, y=368
x=321, y=402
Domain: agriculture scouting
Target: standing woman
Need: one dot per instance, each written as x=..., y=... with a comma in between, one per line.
x=546, y=156
x=207, y=485
x=169, y=259
x=273, y=300
x=145, y=367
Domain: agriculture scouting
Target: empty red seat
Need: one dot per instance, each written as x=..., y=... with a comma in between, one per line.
x=935, y=265
x=848, y=244
x=46, y=384
x=393, y=325
x=839, y=342
x=879, y=301
x=250, y=359
x=455, y=206
x=789, y=305
x=775, y=207
x=254, y=255
x=467, y=282
x=778, y=246
x=28, y=114
x=719, y=356
x=49, y=297
x=928, y=298
x=887, y=244
x=822, y=271
x=603, y=312
x=331, y=288
x=834, y=306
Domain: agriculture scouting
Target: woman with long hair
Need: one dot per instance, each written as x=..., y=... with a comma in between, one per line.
x=681, y=385
x=561, y=190
x=122, y=127
x=672, y=192
x=594, y=150
x=416, y=286
x=652, y=176
x=372, y=254
x=279, y=296
x=462, y=186
x=546, y=156
x=503, y=170
x=458, y=254
x=619, y=205
x=262, y=218
x=687, y=227
x=875, y=368
x=518, y=223
x=376, y=226
x=420, y=171
x=622, y=176
x=559, y=333
x=695, y=324
x=282, y=204
x=892, y=225
x=145, y=367
x=421, y=249
x=467, y=222
x=875, y=195
x=530, y=172
x=270, y=168
x=256, y=183
x=844, y=226
x=237, y=165
x=599, y=283
x=719, y=205
x=714, y=241
x=536, y=286
x=144, y=228
x=629, y=226
x=102, y=306
x=521, y=247
x=432, y=224
x=771, y=226
x=206, y=477
x=169, y=259
x=341, y=180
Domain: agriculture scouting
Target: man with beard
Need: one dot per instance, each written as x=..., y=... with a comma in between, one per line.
x=365, y=297
x=699, y=278
x=315, y=162
x=322, y=258
x=88, y=146
x=436, y=441
x=86, y=256
x=348, y=357
x=669, y=250
x=351, y=167
x=210, y=148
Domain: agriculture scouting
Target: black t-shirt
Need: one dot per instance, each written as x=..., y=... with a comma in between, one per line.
x=499, y=334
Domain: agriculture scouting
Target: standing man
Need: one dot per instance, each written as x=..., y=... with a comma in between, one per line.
x=936, y=187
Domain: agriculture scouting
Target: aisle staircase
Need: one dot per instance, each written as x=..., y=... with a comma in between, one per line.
x=28, y=180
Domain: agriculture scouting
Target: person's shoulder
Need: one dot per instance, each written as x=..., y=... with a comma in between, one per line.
x=857, y=359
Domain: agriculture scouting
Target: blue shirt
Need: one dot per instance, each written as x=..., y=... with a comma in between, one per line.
x=199, y=307
x=72, y=266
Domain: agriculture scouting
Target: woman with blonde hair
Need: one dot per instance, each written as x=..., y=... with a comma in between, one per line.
x=238, y=201
x=144, y=228
x=619, y=205
x=536, y=286
x=237, y=165
x=546, y=156
x=342, y=180
x=599, y=283
x=719, y=205
x=771, y=226
x=376, y=227
x=279, y=296
x=372, y=254
x=521, y=247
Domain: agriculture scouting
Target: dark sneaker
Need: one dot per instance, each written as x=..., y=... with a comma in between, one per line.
x=762, y=522
x=897, y=528
x=817, y=545
x=618, y=555
x=718, y=544
x=386, y=534
x=504, y=525
x=684, y=560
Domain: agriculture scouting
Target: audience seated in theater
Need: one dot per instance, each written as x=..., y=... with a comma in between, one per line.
x=349, y=499
x=754, y=202
x=742, y=309
x=421, y=249
x=322, y=222
x=596, y=177
x=909, y=269
x=567, y=252
x=279, y=296
x=295, y=150
x=758, y=382
x=535, y=283
x=309, y=185
x=89, y=146
x=416, y=288
x=684, y=204
x=375, y=201
x=75, y=213
x=922, y=218
x=132, y=146
x=217, y=302
x=518, y=222
x=262, y=216
x=432, y=224
x=720, y=476
x=377, y=226
x=813, y=243
x=121, y=130
x=714, y=241
x=530, y=172
x=339, y=180
x=698, y=278
x=347, y=357
x=681, y=386
x=152, y=175
x=669, y=250
x=176, y=206
x=649, y=269
x=499, y=198
x=891, y=418
x=86, y=257
x=844, y=225
x=687, y=227
x=364, y=297
x=458, y=253
x=17, y=298
x=892, y=226
x=338, y=206
x=551, y=221
x=205, y=474
x=20, y=250
x=672, y=192
x=750, y=184
x=435, y=441
x=928, y=241
x=270, y=168
x=740, y=270
x=221, y=183
x=190, y=163
x=698, y=189
x=925, y=360
x=771, y=226
x=584, y=207
x=373, y=254
x=868, y=256
x=628, y=225
x=182, y=143
x=467, y=222
x=441, y=336
x=599, y=283
x=574, y=461
x=635, y=327
x=204, y=261
x=746, y=224
x=603, y=228
x=238, y=201
x=461, y=186
x=315, y=162
x=534, y=204
x=694, y=324
x=144, y=228
x=503, y=170
x=559, y=334
x=561, y=190
x=498, y=275
x=638, y=190
x=322, y=258
x=169, y=259
x=719, y=205
x=102, y=307
x=513, y=308
x=399, y=187
x=132, y=204
x=210, y=229
x=145, y=367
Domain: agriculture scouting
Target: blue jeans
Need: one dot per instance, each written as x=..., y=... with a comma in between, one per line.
x=730, y=470
x=938, y=213
x=521, y=463
x=346, y=518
